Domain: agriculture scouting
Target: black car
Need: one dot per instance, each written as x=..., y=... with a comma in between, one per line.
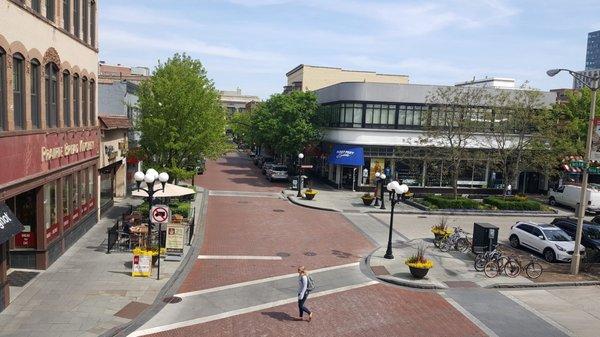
x=590, y=237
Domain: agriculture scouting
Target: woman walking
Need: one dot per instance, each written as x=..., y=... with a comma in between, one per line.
x=303, y=292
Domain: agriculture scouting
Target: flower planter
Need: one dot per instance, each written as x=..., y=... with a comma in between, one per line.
x=418, y=273
x=309, y=196
x=367, y=201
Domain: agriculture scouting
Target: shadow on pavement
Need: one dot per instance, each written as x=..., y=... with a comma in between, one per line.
x=280, y=316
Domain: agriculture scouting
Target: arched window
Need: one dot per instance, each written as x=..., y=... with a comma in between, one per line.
x=76, y=17
x=50, y=10
x=35, y=94
x=93, y=118
x=35, y=5
x=51, y=95
x=66, y=99
x=19, y=91
x=86, y=19
x=2, y=89
x=93, y=24
x=76, y=115
x=67, y=14
x=84, y=101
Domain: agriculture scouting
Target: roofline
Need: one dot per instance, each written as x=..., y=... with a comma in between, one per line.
x=341, y=69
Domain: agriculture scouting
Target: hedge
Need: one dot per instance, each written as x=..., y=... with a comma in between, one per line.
x=452, y=203
x=513, y=203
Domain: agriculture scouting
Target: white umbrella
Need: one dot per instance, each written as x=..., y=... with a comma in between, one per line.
x=170, y=191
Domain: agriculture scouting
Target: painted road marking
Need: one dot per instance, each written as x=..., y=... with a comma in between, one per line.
x=268, y=279
x=237, y=257
x=467, y=314
x=201, y=320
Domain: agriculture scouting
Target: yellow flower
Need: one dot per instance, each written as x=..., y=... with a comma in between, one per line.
x=427, y=264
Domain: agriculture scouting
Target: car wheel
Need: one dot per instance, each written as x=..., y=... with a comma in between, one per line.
x=514, y=241
x=552, y=201
x=549, y=255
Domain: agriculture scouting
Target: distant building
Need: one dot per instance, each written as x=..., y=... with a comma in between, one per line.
x=234, y=101
x=592, y=56
x=577, y=84
x=110, y=73
x=310, y=78
x=112, y=171
x=561, y=94
x=491, y=82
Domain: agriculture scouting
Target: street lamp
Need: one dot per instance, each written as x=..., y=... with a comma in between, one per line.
x=592, y=83
x=382, y=178
x=396, y=191
x=300, y=157
x=150, y=178
x=377, y=175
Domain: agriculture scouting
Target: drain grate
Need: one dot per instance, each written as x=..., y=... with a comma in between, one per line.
x=310, y=253
x=20, y=278
x=283, y=254
x=172, y=299
x=278, y=210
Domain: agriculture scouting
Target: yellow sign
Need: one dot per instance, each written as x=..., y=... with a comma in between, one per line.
x=66, y=150
x=142, y=264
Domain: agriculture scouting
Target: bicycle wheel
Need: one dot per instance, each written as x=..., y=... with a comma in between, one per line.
x=480, y=262
x=436, y=243
x=491, y=269
x=512, y=269
x=462, y=245
x=445, y=245
x=533, y=269
x=502, y=261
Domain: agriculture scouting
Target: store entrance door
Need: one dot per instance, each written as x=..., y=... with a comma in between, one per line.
x=349, y=177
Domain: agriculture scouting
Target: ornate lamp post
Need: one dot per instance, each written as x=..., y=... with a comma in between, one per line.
x=150, y=178
x=377, y=175
x=396, y=191
x=592, y=83
x=382, y=180
x=300, y=157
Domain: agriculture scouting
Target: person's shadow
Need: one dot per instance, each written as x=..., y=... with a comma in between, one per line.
x=280, y=316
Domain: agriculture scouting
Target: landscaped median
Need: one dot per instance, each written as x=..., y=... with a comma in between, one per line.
x=490, y=203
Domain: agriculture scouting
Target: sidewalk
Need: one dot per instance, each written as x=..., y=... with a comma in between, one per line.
x=86, y=291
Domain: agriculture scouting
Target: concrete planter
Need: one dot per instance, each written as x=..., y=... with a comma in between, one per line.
x=418, y=273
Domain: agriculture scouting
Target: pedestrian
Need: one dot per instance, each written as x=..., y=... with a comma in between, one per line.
x=303, y=291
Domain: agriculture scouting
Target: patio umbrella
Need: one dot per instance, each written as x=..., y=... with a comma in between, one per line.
x=170, y=191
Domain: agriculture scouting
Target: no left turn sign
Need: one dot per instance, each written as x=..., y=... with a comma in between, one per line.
x=160, y=214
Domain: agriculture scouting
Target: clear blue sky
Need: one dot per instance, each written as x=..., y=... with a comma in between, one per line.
x=251, y=44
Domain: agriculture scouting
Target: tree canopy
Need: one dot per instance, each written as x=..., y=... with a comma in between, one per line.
x=181, y=119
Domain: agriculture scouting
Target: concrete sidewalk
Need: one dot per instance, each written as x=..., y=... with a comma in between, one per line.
x=86, y=291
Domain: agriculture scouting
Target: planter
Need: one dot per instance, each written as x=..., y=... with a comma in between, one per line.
x=418, y=273
x=438, y=236
x=309, y=196
x=367, y=201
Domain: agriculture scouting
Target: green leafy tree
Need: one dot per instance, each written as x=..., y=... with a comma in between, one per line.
x=181, y=119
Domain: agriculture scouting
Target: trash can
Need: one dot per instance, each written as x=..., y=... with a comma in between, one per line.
x=485, y=237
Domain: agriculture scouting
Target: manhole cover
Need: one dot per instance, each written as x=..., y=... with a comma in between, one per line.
x=172, y=299
x=243, y=202
x=310, y=253
x=283, y=254
x=278, y=210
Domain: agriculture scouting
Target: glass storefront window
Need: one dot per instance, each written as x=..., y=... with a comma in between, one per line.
x=66, y=202
x=410, y=171
x=24, y=208
x=91, y=178
x=75, y=195
x=82, y=184
x=50, y=210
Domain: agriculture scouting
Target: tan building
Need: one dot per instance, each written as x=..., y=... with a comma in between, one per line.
x=310, y=78
x=110, y=73
x=49, y=138
x=234, y=101
x=112, y=179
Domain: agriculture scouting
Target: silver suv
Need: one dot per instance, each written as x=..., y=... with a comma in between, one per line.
x=277, y=172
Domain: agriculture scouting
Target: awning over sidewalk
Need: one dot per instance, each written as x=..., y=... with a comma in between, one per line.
x=9, y=224
x=350, y=155
x=170, y=191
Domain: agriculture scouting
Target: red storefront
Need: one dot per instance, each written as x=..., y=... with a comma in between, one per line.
x=49, y=181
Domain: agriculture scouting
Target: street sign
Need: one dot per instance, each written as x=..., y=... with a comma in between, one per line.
x=594, y=170
x=577, y=164
x=306, y=166
x=160, y=214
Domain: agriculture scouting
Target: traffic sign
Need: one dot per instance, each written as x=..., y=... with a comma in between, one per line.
x=160, y=214
x=577, y=164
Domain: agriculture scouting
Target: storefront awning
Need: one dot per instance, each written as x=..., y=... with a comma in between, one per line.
x=350, y=155
x=9, y=224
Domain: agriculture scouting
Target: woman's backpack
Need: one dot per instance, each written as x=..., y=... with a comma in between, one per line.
x=311, y=283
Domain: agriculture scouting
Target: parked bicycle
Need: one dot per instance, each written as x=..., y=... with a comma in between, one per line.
x=532, y=269
x=458, y=241
x=483, y=258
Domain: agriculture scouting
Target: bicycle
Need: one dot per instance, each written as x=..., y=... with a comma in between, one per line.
x=483, y=258
x=458, y=240
x=532, y=269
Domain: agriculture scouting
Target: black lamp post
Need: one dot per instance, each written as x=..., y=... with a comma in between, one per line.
x=396, y=191
x=150, y=178
x=382, y=180
x=377, y=175
x=300, y=156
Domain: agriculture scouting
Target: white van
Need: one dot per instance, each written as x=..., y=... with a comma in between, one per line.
x=568, y=195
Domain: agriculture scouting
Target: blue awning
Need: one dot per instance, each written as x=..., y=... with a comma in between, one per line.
x=350, y=155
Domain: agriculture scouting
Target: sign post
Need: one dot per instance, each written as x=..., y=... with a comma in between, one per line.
x=160, y=214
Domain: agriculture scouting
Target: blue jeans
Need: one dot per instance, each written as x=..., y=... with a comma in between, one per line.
x=301, y=306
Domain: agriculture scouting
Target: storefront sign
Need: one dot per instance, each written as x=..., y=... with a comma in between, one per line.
x=66, y=150
x=346, y=155
x=9, y=224
x=142, y=265
x=175, y=241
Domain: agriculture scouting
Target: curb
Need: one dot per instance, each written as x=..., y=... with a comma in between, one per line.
x=543, y=285
x=295, y=202
x=400, y=282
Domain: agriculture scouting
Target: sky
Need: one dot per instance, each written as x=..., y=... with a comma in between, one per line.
x=251, y=44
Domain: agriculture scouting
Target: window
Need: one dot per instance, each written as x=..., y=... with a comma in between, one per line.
x=90, y=190
x=86, y=19
x=84, y=101
x=92, y=103
x=50, y=209
x=66, y=200
x=2, y=89
x=346, y=115
x=51, y=95
x=411, y=116
x=380, y=116
x=82, y=185
x=66, y=99
x=35, y=94
x=75, y=194
x=19, y=91
x=76, y=18
x=76, y=117
x=67, y=14
x=93, y=23
x=50, y=10
x=35, y=5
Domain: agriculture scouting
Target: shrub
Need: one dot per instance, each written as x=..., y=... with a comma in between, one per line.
x=144, y=209
x=514, y=203
x=451, y=202
x=418, y=260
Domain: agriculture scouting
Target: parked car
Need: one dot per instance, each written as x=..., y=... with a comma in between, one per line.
x=549, y=240
x=266, y=167
x=265, y=160
x=568, y=195
x=278, y=172
x=256, y=159
x=590, y=237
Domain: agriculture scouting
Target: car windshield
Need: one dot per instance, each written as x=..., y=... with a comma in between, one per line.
x=279, y=168
x=592, y=233
x=556, y=235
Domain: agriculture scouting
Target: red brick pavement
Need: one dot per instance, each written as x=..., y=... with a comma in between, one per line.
x=377, y=310
x=250, y=226
x=236, y=172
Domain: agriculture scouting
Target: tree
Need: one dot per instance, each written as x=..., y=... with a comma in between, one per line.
x=287, y=123
x=451, y=125
x=181, y=119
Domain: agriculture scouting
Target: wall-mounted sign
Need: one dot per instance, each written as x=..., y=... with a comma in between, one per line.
x=66, y=150
x=9, y=224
